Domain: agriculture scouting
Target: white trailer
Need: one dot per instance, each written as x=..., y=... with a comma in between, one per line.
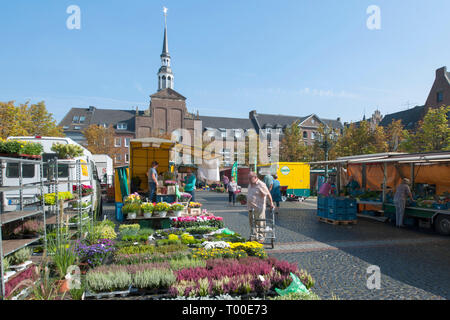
x=66, y=171
x=105, y=168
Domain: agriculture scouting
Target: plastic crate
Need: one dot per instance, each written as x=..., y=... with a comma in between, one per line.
x=336, y=202
x=322, y=202
x=350, y=203
x=440, y=206
x=351, y=210
x=322, y=213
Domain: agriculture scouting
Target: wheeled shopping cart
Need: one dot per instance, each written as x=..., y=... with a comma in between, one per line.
x=268, y=228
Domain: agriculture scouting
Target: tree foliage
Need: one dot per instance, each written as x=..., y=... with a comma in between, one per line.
x=100, y=140
x=433, y=133
x=292, y=146
x=27, y=120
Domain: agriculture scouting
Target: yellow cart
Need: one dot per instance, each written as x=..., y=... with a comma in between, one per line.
x=294, y=175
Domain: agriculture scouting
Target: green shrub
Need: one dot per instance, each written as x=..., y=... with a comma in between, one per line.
x=126, y=227
x=201, y=230
x=63, y=258
x=21, y=256
x=106, y=282
x=67, y=151
x=186, y=263
x=5, y=264
x=136, y=249
x=154, y=279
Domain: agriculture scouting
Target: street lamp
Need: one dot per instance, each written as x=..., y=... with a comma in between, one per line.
x=326, y=141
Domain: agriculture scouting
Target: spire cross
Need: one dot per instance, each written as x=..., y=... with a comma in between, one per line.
x=165, y=16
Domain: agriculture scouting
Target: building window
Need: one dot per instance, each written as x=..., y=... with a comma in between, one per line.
x=66, y=127
x=305, y=135
x=313, y=134
x=127, y=157
x=127, y=142
x=118, y=157
x=82, y=118
x=76, y=128
x=104, y=125
x=75, y=119
x=440, y=96
x=118, y=142
x=121, y=126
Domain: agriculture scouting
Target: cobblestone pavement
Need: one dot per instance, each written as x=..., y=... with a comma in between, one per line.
x=414, y=263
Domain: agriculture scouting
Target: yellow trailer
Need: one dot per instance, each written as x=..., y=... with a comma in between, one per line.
x=146, y=150
x=294, y=175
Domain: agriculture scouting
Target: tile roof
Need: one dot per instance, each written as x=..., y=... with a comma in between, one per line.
x=283, y=120
x=225, y=123
x=98, y=117
x=409, y=117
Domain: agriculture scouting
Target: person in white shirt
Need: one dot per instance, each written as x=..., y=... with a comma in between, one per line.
x=232, y=188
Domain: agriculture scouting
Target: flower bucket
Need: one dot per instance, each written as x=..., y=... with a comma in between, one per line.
x=131, y=215
x=161, y=214
x=147, y=215
x=170, y=189
x=177, y=213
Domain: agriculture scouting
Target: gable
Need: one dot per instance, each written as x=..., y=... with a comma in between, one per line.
x=168, y=94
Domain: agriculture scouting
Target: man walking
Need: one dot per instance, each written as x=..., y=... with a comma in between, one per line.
x=256, y=205
x=402, y=193
x=152, y=181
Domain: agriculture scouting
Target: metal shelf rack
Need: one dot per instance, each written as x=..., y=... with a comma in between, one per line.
x=8, y=247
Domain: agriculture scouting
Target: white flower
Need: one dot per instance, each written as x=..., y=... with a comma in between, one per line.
x=215, y=244
x=261, y=278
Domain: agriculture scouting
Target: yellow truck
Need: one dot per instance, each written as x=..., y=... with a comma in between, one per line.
x=293, y=175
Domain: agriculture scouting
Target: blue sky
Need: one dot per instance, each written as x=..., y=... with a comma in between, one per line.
x=292, y=57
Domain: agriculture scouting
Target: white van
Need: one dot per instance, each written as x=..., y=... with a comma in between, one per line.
x=105, y=168
x=66, y=172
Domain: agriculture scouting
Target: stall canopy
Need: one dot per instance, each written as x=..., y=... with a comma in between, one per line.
x=371, y=170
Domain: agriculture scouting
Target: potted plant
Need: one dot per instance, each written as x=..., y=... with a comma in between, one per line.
x=160, y=209
x=195, y=208
x=21, y=259
x=177, y=209
x=64, y=257
x=131, y=210
x=242, y=198
x=147, y=209
x=67, y=151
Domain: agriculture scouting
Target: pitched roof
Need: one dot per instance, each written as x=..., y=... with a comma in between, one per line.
x=409, y=117
x=99, y=116
x=168, y=93
x=225, y=123
x=282, y=120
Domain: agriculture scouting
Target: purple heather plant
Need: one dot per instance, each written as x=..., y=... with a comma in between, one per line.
x=95, y=254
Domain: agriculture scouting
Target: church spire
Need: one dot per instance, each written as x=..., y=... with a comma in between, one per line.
x=165, y=75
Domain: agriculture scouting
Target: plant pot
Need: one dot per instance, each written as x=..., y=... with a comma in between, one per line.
x=63, y=286
x=170, y=189
x=177, y=213
x=22, y=266
x=131, y=215
x=161, y=214
x=195, y=211
x=147, y=215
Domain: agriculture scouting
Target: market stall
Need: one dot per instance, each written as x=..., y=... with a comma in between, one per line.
x=378, y=176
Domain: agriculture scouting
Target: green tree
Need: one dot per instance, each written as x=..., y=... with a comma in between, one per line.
x=27, y=120
x=361, y=140
x=292, y=146
x=433, y=133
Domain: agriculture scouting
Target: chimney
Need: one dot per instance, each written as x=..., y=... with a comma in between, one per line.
x=137, y=110
x=91, y=108
x=339, y=119
x=252, y=114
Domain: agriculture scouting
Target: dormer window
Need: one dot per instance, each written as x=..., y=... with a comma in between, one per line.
x=75, y=119
x=82, y=119
x=121, y=126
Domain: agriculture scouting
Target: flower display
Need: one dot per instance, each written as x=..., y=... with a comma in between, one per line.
x=104, y=232
x=133, y=198
x=173, y=237
x=85, y=189
x=195, y=205
x=215, y=244
x=95, y=254
x=252, y=248
x=147, y=207
x=161, y=207
x=186, y=222
x=50, y=198
x=184, y=197
x=176, y=207
x=170, y=183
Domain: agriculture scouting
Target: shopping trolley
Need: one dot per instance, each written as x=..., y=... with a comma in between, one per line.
x=268, y=228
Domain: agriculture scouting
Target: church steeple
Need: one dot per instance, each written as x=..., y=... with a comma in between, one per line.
x=165, y=75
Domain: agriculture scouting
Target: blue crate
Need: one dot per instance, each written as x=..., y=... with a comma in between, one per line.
x=351, y=210
x=336, y=202
x=322, y=202
x=350, y=203
x=322, y=213
x=351, y=216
